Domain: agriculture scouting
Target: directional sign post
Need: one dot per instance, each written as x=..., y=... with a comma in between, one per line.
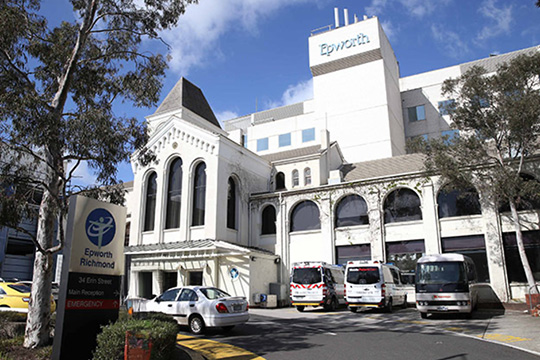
x=93, y=264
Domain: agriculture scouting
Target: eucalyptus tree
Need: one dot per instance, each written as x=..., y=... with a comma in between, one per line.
x=59, y=87
x=497, y=116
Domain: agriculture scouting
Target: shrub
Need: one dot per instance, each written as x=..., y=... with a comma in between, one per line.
x=110, y=342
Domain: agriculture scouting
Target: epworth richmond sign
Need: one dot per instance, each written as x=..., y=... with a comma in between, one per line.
x=91, y=273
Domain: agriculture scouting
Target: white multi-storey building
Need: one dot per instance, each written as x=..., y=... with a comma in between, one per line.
x=326, y=179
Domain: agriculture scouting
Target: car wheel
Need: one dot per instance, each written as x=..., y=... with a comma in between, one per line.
x=353, y=309
x=388, y=307
x=468, y=315
x=300, y=308
x=423, y=315
x=196, y=324
x=228, y=328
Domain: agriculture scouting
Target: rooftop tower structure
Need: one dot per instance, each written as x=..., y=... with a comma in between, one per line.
x=356, y=89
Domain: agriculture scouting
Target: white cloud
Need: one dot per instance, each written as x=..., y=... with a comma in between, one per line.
x=195, y=41
x=417, y=8
x=501, y=19
x=450, y=41
x=389, y=30
x=83, y=176
x=294, y=94
x=226, y=115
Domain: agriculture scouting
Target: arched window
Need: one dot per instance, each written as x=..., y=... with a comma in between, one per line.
x=150, y=204
x=307, y=176
x=351, y=211
x=174, y=195
x=268, y=220
x=231, y=204
x=280, y=181
x=305, y=216
x=199, y=195
x=455, y=202
x=295, y=178
x=524, y=202
x=402, y=205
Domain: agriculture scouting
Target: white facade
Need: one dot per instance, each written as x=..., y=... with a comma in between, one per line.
x=301, y=170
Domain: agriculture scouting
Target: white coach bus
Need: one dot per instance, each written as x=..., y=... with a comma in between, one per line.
x=446, y=283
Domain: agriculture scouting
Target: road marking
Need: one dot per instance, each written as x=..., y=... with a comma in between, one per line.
x=211, y=349
x=503, y=338
x=455, y=329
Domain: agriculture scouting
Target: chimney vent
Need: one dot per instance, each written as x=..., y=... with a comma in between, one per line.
x=346, y=16
x=336, y=17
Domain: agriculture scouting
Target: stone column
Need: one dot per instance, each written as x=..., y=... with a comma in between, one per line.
x=432, y=234
x=494, y=249
x=376, y=224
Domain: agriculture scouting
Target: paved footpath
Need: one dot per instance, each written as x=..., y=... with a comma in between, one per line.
x=512, y=328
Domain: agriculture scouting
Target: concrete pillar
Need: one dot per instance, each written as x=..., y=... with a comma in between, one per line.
x=432, y=237
x=376, y=225
x=157, y=283
x=494, y=249
x=327, y=229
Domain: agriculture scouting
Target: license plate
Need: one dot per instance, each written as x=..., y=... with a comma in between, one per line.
x=442, y=308
x=237, y=307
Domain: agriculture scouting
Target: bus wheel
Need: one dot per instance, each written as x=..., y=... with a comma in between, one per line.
x=300, y=308
x=423, y=315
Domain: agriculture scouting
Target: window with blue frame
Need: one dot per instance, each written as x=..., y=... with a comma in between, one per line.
x=262, y=144
x=308, y=135
x=285, y=140
x=417, y=113
x=446, y=106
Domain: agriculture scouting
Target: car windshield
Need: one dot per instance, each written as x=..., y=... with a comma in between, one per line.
x=363, y=275
x=441, y=273
x=213, y=293
x=307, y=276
x=20, y=288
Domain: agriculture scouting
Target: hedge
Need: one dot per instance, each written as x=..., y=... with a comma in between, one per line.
x=162, y=331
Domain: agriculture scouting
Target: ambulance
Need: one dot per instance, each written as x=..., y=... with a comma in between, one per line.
x=316, y=283
x=372, y=284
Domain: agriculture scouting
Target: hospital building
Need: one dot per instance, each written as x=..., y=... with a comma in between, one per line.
x=327, y=179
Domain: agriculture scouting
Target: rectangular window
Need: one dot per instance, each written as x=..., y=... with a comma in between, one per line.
x=472, y=246
x=404, y=254
x=262, y=144
x=352, y=252
x=244, y=141
x=445, y=106
x=514, y=266
x=308, y=135
x=417, y=113
x=285, y=140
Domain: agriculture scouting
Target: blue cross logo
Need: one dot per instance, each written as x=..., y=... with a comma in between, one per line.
x=100, y=227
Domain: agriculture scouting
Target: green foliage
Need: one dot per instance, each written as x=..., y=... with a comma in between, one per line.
x=110, y=342
x=57, y=107
x=498, y=118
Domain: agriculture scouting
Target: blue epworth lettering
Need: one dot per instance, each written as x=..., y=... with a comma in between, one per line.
x=328, y=49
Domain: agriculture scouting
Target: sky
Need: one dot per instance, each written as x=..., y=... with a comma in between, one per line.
x=252, y=55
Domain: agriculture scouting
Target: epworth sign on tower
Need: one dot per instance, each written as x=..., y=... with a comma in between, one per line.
x=91, y=274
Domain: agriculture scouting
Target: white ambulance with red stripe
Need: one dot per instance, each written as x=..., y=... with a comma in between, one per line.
x=316, y=283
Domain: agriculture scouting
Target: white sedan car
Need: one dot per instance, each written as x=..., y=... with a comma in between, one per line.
x=200, y=307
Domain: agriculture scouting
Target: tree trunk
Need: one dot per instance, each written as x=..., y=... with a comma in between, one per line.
x=521, y=248
x=37, y=332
